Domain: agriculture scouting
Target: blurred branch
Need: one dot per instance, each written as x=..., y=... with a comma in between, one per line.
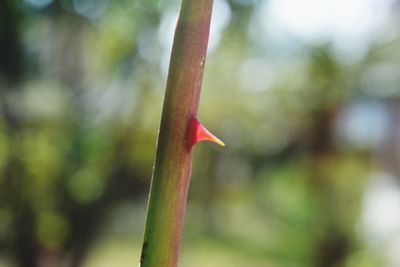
x=11, y=64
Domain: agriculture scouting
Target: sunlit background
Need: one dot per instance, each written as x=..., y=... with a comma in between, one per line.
x=306, y=95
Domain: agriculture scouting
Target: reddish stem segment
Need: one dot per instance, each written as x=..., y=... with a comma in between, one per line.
x=172, y=167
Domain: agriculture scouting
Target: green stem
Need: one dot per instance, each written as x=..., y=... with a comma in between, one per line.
x=172, y=168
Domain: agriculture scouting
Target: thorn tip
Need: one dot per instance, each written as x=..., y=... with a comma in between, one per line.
x=197, y=133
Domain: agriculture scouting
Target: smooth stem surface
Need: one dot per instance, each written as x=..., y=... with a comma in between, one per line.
x=172, y=168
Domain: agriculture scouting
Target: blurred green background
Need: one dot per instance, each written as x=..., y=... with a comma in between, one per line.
x=306, y=95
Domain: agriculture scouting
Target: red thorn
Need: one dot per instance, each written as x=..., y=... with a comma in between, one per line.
x=197, y=133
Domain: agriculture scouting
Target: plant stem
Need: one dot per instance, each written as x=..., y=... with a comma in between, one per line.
x=172, y=167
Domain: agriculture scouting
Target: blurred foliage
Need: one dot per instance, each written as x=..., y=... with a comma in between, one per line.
x=81, y=90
